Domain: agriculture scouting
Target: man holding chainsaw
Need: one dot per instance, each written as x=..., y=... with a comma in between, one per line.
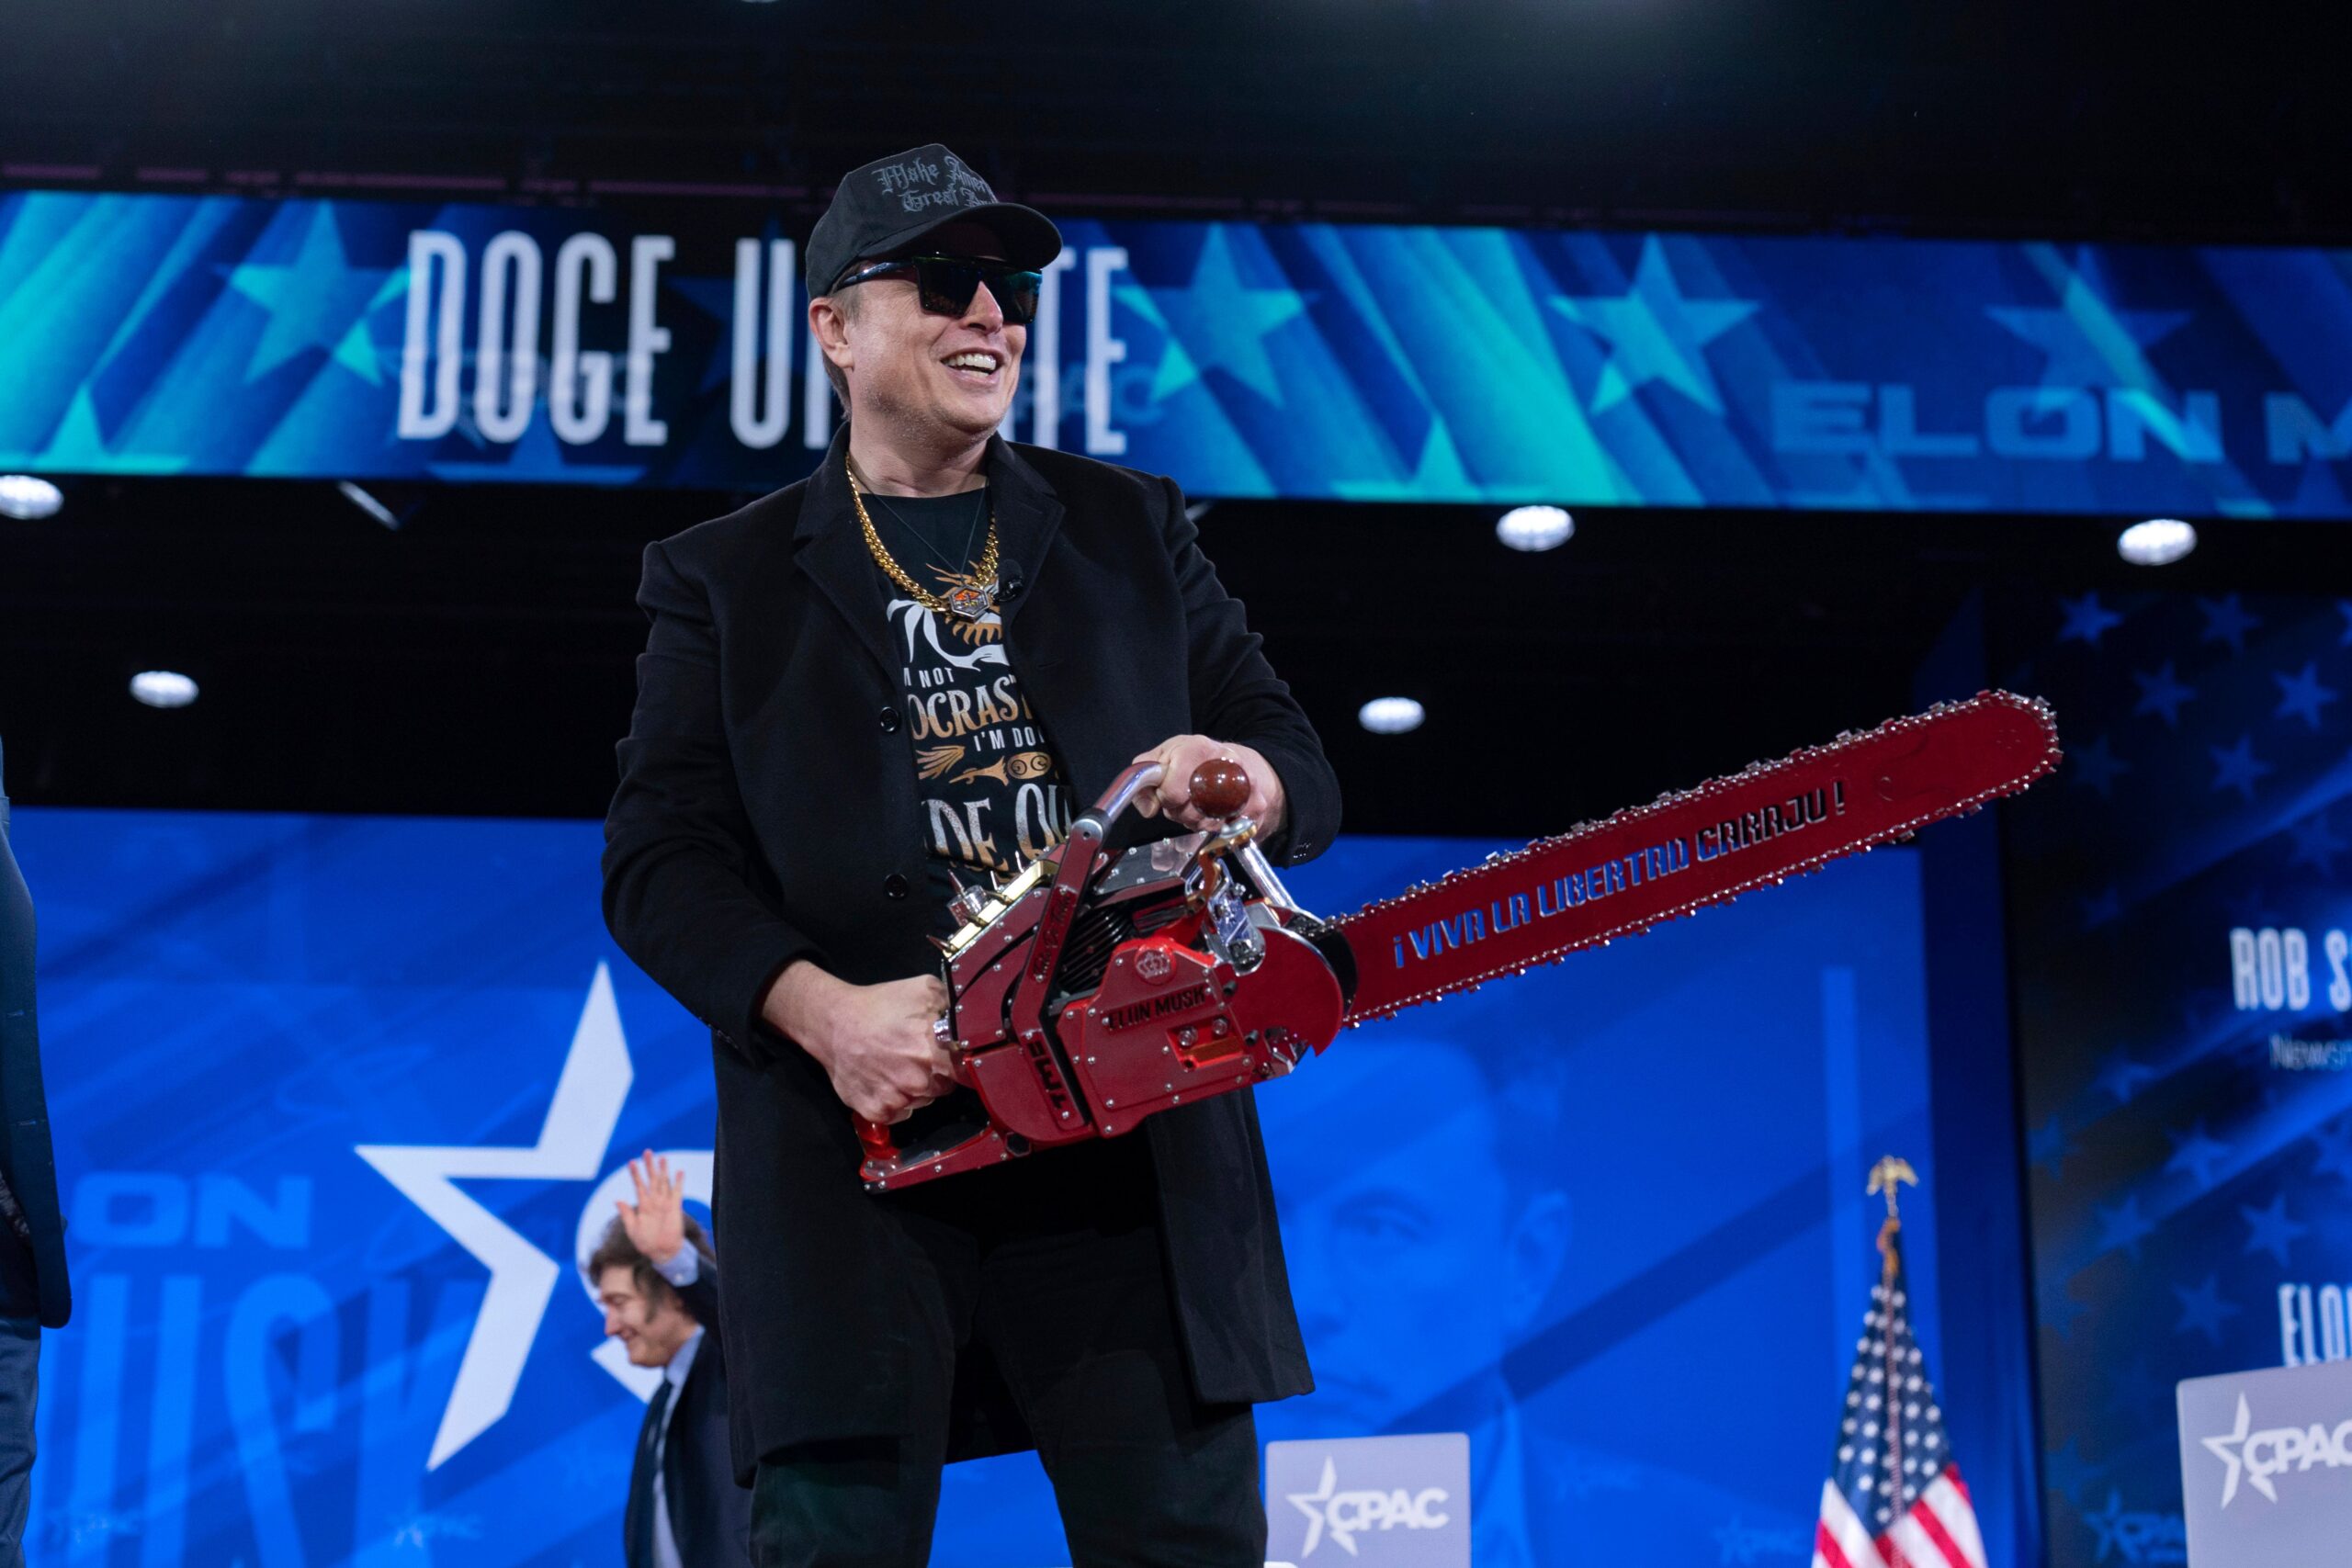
x=902, y=670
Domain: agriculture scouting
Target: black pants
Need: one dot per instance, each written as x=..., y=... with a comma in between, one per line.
x=1052, y=1271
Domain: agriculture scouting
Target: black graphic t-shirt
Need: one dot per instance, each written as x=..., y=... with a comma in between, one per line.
x=991, y=794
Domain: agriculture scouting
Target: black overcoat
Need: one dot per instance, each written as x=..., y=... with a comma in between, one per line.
x=767, y=811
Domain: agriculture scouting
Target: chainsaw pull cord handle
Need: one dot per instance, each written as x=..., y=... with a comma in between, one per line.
x=874, y=1138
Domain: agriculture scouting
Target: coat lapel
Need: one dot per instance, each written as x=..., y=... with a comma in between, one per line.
x=1028, y=515
x=832, y=551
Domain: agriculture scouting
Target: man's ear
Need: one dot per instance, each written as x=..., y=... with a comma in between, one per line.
x=828, y=330
x=1534, y=1253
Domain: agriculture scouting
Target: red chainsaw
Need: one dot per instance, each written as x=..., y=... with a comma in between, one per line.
x=1107, y=981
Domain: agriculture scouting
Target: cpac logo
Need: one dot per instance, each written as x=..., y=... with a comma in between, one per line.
x=2262, y=1456
x=1345, y=1513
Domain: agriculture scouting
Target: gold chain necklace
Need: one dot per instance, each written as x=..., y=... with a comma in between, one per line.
x=966, y=603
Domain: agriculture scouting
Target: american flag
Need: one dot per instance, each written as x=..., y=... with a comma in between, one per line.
x=1894, y=1498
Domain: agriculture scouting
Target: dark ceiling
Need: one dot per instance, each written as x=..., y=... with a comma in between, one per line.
x=2024, y=116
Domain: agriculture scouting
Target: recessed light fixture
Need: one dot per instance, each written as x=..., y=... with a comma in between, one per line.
x=28, y=496
x=1535, y=527
x=163, y=688
x=2159, y=541
x=1390, y=715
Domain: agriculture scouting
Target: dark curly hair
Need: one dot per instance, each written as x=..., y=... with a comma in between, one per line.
x=616, y=1251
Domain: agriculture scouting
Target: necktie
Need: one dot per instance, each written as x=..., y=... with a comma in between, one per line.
x=642, y=1477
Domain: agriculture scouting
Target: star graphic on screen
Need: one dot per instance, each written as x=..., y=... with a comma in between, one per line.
x=2087, y=620
x=1311, y=1505
x=1655, y=333
x=2303, y=696
x=2161, y=692
x=2121, y=1076
x=2193, y=1154
x=318, y=300
x=2269, y=1230
x=2226, y=620
x=2059, y=1308
x=2203, y=1310
x=2047, y=1144
x=2344, y=608
x=2089, y=342
x=586, y=1105
x=2113, y=1526
x=2236, y=767
x=1218, y=320
x=2101, y=908
x=2098, y=767
x=2123, y=1225
x=2316, y=844
x=2335, y=1143
x=2068, y=1472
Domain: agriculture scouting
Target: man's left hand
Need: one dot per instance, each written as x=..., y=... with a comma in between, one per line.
x=656, y=1222
x=1180, y=755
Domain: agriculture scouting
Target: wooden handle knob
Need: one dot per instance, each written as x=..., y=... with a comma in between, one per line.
x=1220, y=787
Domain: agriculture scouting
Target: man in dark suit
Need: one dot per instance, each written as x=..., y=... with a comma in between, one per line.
x=830, y=718
x=657, y=1281
x=33, y=1294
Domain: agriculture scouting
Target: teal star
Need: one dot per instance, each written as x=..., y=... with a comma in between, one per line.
x=2226, y=620
x=2237, y=767
x=2316, y=844
x=2096, y=766
x=318, y=300
x=2193, y=1154
x=2303, y=696
x=2269, y=1230
x=2089, y=342
x=2087, y=620
x=2162, y=692
x=1655, y=333
x=2203, y=1309
x=1215, y=320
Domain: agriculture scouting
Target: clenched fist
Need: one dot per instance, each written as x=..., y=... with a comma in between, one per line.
x=1180, y=755
x=875, y=1042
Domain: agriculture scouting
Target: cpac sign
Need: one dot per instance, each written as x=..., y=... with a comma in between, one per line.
x=1379, y=1500
x=2299, y=1459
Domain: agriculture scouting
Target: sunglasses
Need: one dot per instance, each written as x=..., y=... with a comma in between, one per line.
x=946, y=285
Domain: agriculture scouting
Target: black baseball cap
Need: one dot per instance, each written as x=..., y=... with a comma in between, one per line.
x=888, y=207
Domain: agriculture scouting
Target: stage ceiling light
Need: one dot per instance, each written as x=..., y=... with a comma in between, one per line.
x=1390, y=715
x=163, y=688
x=2158, y=542
x=28, y=496
x=1535, y=528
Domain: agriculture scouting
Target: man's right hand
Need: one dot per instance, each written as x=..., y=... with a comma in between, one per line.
x=875, y=1042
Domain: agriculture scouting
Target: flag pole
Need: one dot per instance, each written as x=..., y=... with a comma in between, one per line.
x=1887, y=1179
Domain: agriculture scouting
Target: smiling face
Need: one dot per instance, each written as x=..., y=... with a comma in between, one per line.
x=933, y=379
x=651, y=1331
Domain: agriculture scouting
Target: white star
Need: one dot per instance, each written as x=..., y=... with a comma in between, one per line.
x=587, y=1104
x=1310, y=1503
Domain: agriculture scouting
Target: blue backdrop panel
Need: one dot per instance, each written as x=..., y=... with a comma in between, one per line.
x=2181, y=966
x=351, y=339
x=337, y=1098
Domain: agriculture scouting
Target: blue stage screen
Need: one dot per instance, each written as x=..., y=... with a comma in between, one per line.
x=2184, y=978
x=312, y=1078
